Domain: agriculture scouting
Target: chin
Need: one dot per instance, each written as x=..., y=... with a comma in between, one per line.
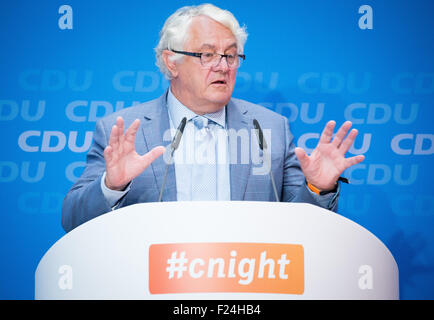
x=221, y=98
x=220, y=103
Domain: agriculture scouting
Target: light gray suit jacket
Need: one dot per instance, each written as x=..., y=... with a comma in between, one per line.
x=86, y=201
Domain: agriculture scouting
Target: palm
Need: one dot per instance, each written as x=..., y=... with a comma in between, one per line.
x=327, y=162
x=124, y=167
x=123, y=163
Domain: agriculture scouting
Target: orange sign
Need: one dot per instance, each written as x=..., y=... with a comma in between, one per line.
x=226, y=267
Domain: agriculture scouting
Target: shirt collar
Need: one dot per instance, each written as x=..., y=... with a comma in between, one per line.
x=177, y=111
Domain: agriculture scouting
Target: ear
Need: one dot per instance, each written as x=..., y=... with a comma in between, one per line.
x=170, y=65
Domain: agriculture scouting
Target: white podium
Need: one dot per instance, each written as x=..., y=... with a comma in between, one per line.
x=218, y=250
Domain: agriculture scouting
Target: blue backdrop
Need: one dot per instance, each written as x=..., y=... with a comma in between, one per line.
x=311, y=61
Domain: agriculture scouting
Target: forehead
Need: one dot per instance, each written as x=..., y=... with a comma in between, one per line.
x=206, y=32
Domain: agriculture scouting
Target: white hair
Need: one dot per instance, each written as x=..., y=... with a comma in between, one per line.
x=175, y=31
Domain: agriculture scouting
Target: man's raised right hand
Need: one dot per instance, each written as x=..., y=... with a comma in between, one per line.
x=123, y=163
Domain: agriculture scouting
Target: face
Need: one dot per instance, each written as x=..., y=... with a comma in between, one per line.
x=205, y=90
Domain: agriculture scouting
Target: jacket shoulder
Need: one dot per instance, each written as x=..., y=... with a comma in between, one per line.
x=258, y=111
x=137, y=111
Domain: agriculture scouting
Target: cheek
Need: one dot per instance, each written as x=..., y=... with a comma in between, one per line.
x=196, y=83
x=232, y=77
x=193, y=76
x=206, y=76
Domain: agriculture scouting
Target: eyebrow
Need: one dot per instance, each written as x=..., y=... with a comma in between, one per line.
x=210, y=46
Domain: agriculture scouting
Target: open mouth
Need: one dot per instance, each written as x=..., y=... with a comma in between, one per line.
x=219, y=82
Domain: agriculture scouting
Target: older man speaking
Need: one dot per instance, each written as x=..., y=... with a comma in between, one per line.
x=200, y=50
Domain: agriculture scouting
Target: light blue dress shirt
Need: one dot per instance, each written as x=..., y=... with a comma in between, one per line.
x=185, y=160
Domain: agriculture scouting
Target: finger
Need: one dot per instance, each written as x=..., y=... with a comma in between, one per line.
x=114, y=138
x=130, y=135
x=327, y=133
x=150, y=157
x=354, y=160
x=303, y=158
x=342, y=132
x=108, y=154
x=120, y=125
x=348, y=141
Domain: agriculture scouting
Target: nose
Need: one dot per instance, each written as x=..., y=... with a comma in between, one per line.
x=222, y=65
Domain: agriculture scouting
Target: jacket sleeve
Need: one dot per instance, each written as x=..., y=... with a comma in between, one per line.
x=294, y=182
x=85, y=200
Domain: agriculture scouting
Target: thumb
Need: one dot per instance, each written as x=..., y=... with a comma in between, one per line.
x=150, y=157
x=302, y=157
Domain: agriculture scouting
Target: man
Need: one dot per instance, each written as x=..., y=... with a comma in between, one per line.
x=200, y=50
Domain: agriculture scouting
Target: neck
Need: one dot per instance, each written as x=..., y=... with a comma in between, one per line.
x=191, y=103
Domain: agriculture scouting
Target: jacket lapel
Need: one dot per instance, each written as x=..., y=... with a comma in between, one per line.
x=238, y=121
x=155, y=124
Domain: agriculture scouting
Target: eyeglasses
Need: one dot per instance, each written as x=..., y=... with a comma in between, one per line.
x=212, y=60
